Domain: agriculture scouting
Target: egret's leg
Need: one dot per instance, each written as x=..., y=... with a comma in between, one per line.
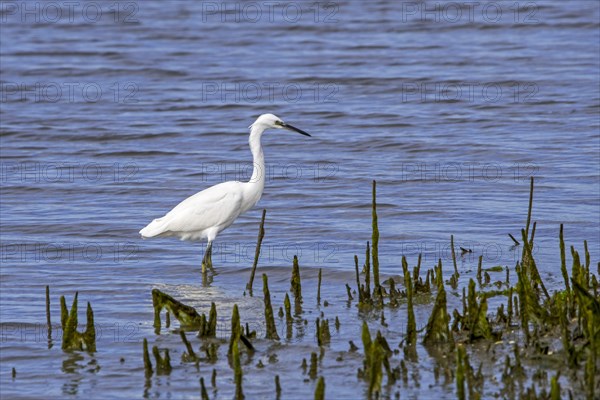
x=210, y=264
x=207, y=260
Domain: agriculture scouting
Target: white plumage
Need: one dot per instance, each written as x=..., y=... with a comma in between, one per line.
x=210, y=210
x=207, y=213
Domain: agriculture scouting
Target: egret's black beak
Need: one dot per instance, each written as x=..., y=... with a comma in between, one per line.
x=293, y=128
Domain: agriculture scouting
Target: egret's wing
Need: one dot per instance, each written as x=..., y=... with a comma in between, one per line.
x=218, y=205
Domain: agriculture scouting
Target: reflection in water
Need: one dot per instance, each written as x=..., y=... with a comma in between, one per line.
x=208, y=277
x=74, y=365
x=442, y=363
x=147, y=387
x=71, y=365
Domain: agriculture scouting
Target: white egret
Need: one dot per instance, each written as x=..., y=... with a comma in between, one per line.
x=207, y=213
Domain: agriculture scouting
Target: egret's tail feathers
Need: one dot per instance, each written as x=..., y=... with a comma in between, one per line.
x=153, y=229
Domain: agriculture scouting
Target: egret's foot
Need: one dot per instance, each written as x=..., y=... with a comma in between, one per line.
x=207, y=265
x=207, y=278
x=207, y=260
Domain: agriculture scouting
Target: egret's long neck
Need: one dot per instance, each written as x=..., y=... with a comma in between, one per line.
x=258, y=173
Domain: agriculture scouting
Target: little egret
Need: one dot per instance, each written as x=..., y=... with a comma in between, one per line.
x=207, y=213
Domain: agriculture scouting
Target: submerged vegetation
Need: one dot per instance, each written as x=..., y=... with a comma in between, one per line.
x=506, y=352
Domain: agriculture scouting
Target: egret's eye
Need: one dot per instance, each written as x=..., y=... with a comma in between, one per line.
x=278, y=122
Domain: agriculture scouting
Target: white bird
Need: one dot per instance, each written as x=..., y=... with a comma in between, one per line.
x=207, y=213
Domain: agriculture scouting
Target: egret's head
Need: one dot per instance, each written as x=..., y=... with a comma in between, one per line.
x=267, y=121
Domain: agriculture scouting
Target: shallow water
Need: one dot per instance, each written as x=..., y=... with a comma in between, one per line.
x=108, y=120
